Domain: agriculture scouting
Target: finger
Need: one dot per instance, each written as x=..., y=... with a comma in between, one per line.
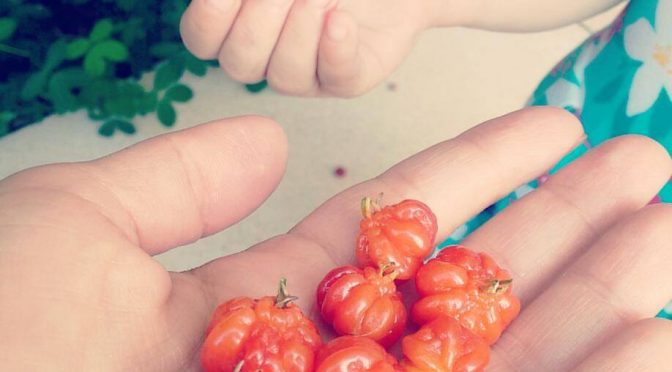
x=623, y=278
x=293, y=65
x=340, y=67
x=457, y=178
x=538, y=235
x=205, y=24
x=248, y=47
x=175, y=188
x=643, y=346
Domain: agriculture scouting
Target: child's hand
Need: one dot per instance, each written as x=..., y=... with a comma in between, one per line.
x=306, y=47
x=345, y=47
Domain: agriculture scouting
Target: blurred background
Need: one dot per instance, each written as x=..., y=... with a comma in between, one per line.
x=83, y=78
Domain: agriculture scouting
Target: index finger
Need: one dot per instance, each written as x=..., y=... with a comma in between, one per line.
x=456, y=178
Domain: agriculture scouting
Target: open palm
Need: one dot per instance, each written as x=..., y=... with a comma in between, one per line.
x=80, y=291
x=306, y=47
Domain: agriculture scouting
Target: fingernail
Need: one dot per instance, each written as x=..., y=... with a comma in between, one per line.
x=336, y=31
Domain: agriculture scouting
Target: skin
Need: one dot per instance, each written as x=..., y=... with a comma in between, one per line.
x=347, y=47
x=80, y=291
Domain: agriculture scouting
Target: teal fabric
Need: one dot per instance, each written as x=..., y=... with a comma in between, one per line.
x=617, y=82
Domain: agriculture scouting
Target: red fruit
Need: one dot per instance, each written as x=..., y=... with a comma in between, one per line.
x=354, y=354
x=444, y=345
x=469, y=287
x=362, y=303
x=402, y=234
x=267, y=334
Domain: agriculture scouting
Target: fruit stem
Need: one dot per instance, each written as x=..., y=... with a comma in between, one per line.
x=239, y=366
x=370, y=206
x=388, y=270
x=498, y=286
x=366, y=207
x=283, y=298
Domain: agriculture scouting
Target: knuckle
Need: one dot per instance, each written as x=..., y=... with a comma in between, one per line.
x=245, y=72
x=655, y=219
x=282, y=84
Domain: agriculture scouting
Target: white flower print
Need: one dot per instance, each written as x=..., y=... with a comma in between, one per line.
x=652, y=47
x=668, y=308
x=522, y=191
x=460, y=233
x=564, y=93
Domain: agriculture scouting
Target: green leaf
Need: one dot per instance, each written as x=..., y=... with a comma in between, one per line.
x=148, y=103
x=179, y=93
x=93, y=95
x=122, y=99
x=96, y=114
x=257, y=87
x=34, y=85
x=165, y=49
x=168, y=73
x=196, y=66
x=166, y=113
x=107, y=129
x=171, y=11
x=7, y=28
x=77, y=48
x=94, y=64
x=61, y=86
x=126, y=127
x=111, y=50
x=6, y=118
x=132, y=89
x=118, y=106
x=55, y=55
x=101, y=30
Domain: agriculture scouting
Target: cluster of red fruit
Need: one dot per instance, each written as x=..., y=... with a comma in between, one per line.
x=465, y=303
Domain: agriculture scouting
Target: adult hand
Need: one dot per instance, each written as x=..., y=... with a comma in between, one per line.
x=79, y=290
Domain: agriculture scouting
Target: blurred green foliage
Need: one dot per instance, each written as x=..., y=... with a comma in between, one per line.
x=62, y=56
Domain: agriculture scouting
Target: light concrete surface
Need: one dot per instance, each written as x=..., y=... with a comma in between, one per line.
x=454, y=79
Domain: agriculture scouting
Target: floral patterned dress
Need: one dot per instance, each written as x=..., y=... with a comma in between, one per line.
x=617, y=82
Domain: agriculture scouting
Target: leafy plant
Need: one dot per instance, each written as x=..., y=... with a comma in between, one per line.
x=68, y=55
x=98, y=49
x=257, y=87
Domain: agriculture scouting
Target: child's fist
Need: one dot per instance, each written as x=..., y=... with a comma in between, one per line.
x=305, y=47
